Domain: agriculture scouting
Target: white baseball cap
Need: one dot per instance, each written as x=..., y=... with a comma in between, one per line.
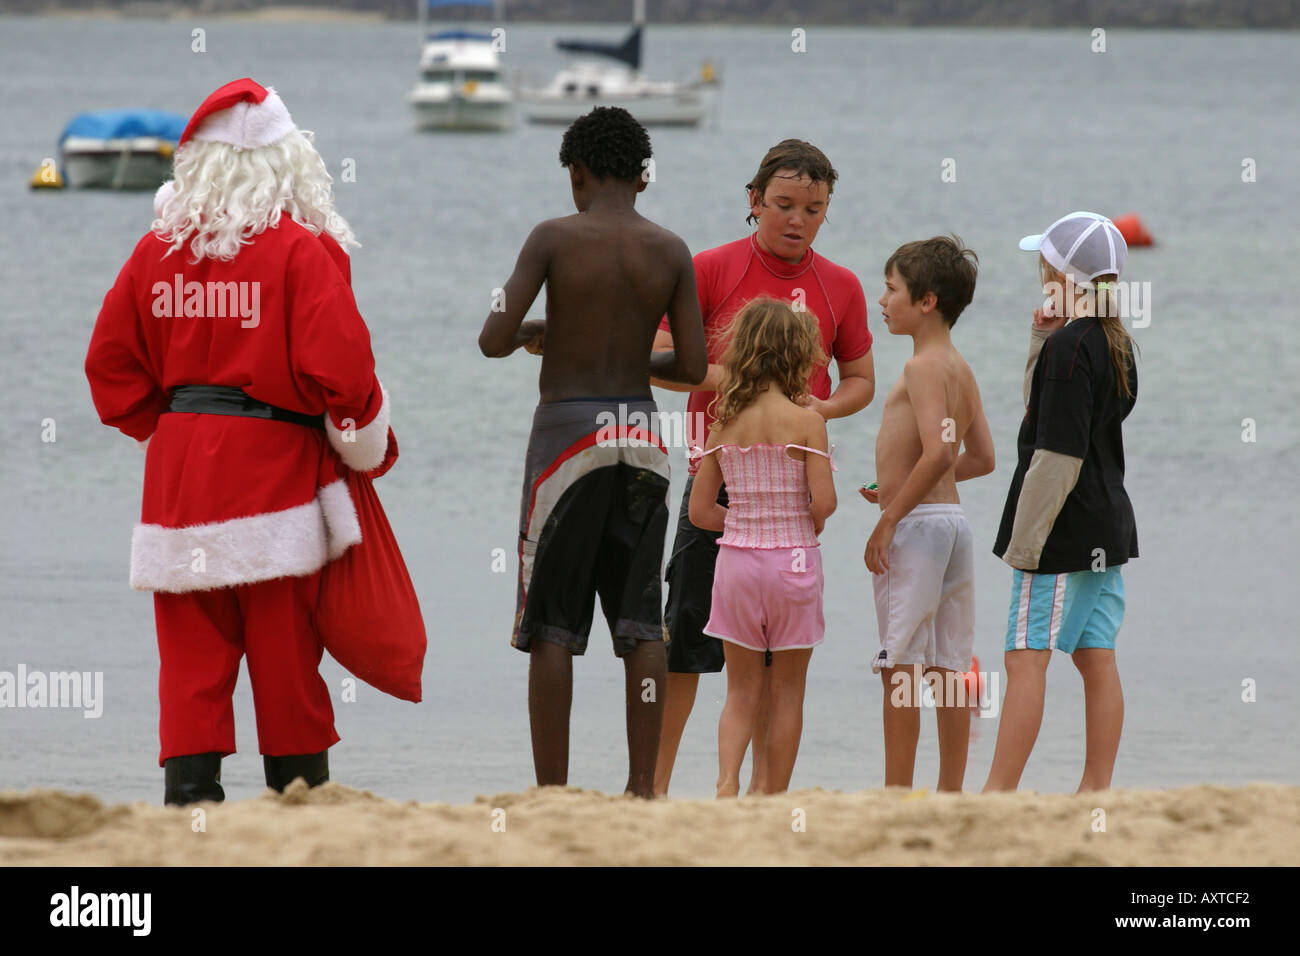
x=1082, y=245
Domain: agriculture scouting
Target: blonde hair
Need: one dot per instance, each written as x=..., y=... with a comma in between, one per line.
x=225, y=196
x=767, y=342
x=1098, y=300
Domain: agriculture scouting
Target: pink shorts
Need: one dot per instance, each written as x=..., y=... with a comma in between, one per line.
x=767, y=599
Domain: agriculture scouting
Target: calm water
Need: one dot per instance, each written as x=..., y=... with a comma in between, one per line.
x=1037, y=125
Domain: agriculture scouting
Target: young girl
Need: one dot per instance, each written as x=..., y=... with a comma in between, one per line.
x=1068, y=525
x=767, y=586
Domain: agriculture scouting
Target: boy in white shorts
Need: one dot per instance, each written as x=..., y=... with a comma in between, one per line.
x=921, y=551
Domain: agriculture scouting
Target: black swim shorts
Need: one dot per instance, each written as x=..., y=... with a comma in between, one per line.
x=593, y=518
x=690, y=594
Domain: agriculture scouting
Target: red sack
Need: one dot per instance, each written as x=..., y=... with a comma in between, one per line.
x=367, y=613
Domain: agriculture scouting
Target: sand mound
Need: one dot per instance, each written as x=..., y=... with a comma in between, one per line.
x=335, y=825
x=52, y=814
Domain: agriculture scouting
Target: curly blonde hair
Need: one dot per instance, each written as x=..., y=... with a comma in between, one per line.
x=226, y=196
x=767, y=341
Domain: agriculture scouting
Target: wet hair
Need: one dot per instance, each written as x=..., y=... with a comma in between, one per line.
x=608, y=141
x=942, y=265
x=792, y=156
x=1099, y=300
x=767, y=342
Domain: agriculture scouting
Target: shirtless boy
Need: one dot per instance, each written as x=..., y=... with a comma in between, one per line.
x=594, y=511
x=921, y=551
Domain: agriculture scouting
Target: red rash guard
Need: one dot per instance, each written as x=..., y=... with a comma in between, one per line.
x=730, y=275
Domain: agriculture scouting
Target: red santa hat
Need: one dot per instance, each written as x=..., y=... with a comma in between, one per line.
x=241, y=113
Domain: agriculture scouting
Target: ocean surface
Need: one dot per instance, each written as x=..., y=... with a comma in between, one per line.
x=1036, y=125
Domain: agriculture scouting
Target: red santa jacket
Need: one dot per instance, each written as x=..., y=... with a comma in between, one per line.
x=232, y=500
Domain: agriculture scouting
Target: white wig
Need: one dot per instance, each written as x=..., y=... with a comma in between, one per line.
x=225, y=196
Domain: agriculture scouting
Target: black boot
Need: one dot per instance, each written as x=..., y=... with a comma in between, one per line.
x=282, y=771
x=192, y=778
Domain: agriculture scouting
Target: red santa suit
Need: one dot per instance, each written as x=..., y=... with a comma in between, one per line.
x=239, y=514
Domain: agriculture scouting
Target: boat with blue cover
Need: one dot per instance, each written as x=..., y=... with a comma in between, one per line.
x=119, y=149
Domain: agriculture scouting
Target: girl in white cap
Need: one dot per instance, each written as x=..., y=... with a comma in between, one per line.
x=1068, y=524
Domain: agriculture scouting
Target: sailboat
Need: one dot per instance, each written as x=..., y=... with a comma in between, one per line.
x=586, y=83
x=460, y=85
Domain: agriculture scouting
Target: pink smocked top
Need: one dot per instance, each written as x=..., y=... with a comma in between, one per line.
x=768, y=504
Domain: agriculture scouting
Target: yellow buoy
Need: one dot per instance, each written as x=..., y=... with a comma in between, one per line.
x=47, y=176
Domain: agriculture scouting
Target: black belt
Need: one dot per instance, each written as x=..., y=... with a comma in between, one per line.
x=226, y=400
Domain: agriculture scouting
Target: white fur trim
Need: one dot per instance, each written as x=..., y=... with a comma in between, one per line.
x=165, y=192
x=340, y=518
x=144, y=445
x=278, y=544
x=362, y=448
x=248, y=125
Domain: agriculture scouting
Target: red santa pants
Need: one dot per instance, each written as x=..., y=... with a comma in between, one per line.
x=201, y=637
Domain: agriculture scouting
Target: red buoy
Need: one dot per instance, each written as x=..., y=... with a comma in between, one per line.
x=1131, y=228
x=973, y=682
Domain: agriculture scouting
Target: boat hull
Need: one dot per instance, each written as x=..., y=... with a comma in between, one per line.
x=117, y=164
x=688, y=108
x=460, y=113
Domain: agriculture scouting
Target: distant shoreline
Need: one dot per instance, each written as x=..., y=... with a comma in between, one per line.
x=1272, y=14
x=179, y=12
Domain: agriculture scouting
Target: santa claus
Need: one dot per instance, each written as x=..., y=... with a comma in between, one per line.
x=230, y=347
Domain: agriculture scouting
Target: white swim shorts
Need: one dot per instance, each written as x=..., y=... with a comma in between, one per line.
x=925, y=600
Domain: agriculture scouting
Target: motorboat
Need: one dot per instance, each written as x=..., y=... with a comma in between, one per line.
x=461, y=86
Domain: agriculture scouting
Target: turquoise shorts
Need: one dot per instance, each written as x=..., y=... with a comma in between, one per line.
x=1065, y=611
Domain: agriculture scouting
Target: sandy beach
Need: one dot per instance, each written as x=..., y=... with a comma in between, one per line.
x=335, y=825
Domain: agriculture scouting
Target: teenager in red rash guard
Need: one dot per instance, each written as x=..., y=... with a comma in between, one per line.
x=788, y=198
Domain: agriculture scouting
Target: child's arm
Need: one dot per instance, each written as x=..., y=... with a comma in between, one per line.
x=1048, y=482
x=1044, y=325
x=704, y=510
x=924, y=382
x=712, y=380
x=687, y=361
x=505, y=330
x=856, y=388
x=854, y=362
x=977, y=458
x=821, y=483
x=1064, y=414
